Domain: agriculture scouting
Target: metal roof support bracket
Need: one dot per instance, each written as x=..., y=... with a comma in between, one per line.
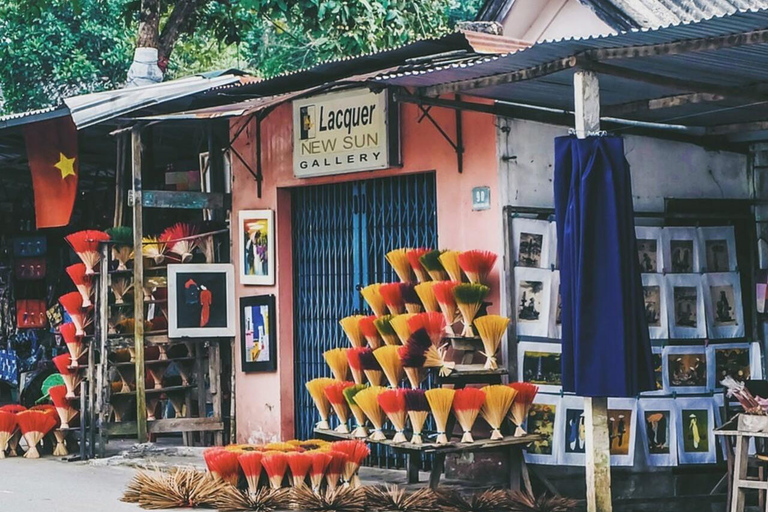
x=231, y=146
x=457, y=146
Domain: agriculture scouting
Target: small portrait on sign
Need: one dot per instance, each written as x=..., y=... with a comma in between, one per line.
x=696, y=425
x=622, y=425
x=258, y=342
x=696, y=422
x=257, y=247
x=685, y=306
x=200, y=300
x=530, y=305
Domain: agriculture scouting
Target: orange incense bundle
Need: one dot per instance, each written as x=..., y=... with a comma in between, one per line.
x=400, y=325
x=34, y=426
x=351, y=326
x=335, y=394
x=445, y=299
x=389, y=359
x=440, y=402
x=82, y=282
x=181, y=240
x=372, y=295
x=222, y=464
x=355, y=452
x=426, y=294
x=320, y=462
x=250, y=463
x=64, y=409
x=432, y=323
x=450, y=262
x=74, y=343
x=7, y=428
x=412, y=358
x=299, y=464
x=526, y=393
x=398, y=258
x=353, y=359
x=467, y=403
x=316, y=388
x=393, y=297
x=370, y=332
x=13, y=408
x=498, y=401
x=392, y=402
x=414, y=257
x=335, y=469
x=384, y=326
x=410, y=298
x=336, y=358
x=477, y=265
x=86, y=246
x=418, y=410
x=73, y=304
x=371, y=367
x=71, y=376
x=367, y=400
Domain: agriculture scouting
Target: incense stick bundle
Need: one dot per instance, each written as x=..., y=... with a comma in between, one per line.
x=7, y=428
x=440, y=402
x=276, y=466
x=336, y=358
x=320, y=461
x=73, y=304
x=477, y=265
x=418, y=410
x=181, y=240
x=410, y=298
x=498, y=402
x=389, y=359
x=34, y=426
x=351, y=326
x=431, y=262
x=426, y=294
x=393, y=297
x=71, y=376
x=447, y=302
x=469, y=299
x=350, y=394
x=372, y=296
x=154, y=248
x=335, y=395
x=412, y=358
x=367, y=400
x=433, y=357
x=450, y=262
x=355, y=366
x=122, y=248
x=414, y=258
x=370, y=332
x=384, y=326
x=316, y=388
x=120, y=286
x=355, y=452
x=400, y=325
x=250, y=463
x=432, y=323
x=334, y=470
x=526, y=393
x=371, y=367
x=74, y=343
x=64, y=409
x=82, y=282
x=392, y=402
x=86, y=246
x=398, y=258
x=466, y=406
x=299, y=463
x=491, y=329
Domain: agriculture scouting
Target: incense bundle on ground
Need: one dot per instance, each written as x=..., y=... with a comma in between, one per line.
x=469, y=299
x=431, y=262
x=355, y=365
x=250, y=464
x=276, y=466
x=426, y=294
x=351, y=326
x=82, y=282
x=335, y=394
x=64, y=409
x=299, y=463
x=393, y=298
x=466, y=406
x=491, y=329
x=370, y=332
x=350, y=393
x=384, y=326
x=477, y=265
x=86, y=246
x=336, y=358
x=320, y=461
x=440, y=403
x=526, y=393
x=7, y=428
x=367, y=400
x=447, y=302
x=389, y=359
x=371, y=367
x=34, y=426
x=398, y=258
x=450, y=262
x=355, y=452
x=400, y=324
x=392, y=402
x=414, y=259
x=372, y=296
x=316, y=388
x=335, y=469
x=498, y=402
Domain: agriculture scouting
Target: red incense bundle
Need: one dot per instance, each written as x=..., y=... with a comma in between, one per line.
x=335, y=394
x=74, y=343
x=73, y=304
x=526, y=393
x=64, y=409
x=320, y=462
x=222, y=464
x=432, y=323
x=370, y=332
x=355, y=452
x=477, y=265
x=82, y=282
x=392, y=402
x=250, y=463
x=371, y=367
x=393, y=297
x=445, y=299
x=13, y=408
x=299, y=464
x=86, y=246
x=414, y=257
x=71, y=376
x=335, y=469
x=467, y=403
x=34, y=426
x=7, y=428
x=410, y=297
x=181, y=240
x=353, y=358
x=276, y=466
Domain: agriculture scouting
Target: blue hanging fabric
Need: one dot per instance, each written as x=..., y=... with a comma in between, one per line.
x=606, y=346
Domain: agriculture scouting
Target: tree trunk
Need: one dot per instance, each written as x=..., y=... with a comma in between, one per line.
x=149, y=24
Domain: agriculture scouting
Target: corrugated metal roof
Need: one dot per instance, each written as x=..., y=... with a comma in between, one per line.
x=663, y=13
x=20, y=118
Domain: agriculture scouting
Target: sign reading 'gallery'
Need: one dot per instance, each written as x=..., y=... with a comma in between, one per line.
x=340, y=132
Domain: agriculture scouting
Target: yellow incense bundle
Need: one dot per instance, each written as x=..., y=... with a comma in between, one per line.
x=400, y=324
x=440, y=403
x=389, y=360
x=450, y=262
x=498, y=402
x=398, y=258
x=427, y=296
x=368, y=401
x=316, y=388
x=336, y=358
x=491, y=329
x=351, y=326
x=374, y=299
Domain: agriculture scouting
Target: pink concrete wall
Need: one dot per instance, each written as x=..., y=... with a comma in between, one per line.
x=264, y=401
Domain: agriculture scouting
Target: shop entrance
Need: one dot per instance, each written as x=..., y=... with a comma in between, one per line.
x=341, y=233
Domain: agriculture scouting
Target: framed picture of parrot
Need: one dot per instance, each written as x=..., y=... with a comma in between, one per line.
x=201, y=300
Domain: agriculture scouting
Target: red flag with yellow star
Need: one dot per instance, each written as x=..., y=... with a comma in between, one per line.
x=53, y=161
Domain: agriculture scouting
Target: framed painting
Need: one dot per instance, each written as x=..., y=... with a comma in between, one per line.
x=687, y=370
x=722, y=301
x=256, y=229
x=717, y=246
x=655, y=298
x=573, y=431
x=201, y=300
x=649, y=251
x=681, y=250
x=543, y=420
x=258, y=333
x=532, y=301
x=658, y=430
x=539, y=363
x=696, y=430
x=531, y=242
x=622, y=430
x=740, y=361
x=685, y=306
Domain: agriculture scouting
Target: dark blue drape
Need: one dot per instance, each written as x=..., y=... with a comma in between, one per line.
x=606, y=347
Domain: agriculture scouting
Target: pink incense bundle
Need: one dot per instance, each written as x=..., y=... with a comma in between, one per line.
x=82, y=281
x=353, y=358
x=73, y=304
x=477, y=265
x=74, y=343
x=370, y=332
x=355, y=452
x=432, y=323
x=393, y=297
x=64, y=409
x=71, y=376
x=86, y=245
x=447, y=302
x=414, y=257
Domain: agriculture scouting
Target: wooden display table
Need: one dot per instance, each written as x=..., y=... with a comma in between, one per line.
x=513, y=446
x=743, y=427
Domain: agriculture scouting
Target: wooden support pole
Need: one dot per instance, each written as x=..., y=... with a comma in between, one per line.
x=138, y=286
x=597, y=443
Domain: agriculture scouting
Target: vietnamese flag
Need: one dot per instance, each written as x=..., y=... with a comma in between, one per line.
x=53, y=161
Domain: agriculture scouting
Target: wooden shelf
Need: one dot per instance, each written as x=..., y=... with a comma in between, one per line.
x=156, y=362
x=128, y=428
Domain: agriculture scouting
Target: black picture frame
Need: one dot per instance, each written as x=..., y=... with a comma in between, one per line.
x=247, y=305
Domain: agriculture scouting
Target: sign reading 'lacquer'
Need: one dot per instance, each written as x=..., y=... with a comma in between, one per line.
x=340, y=132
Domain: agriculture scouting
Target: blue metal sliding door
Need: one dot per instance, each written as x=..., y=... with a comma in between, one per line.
x=341, y=233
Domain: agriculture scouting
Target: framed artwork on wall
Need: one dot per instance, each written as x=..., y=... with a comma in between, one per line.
x=543, y=420
x=717, y=246
x=681, y=250
x=573, y=430
x=655, y=297
x=539, y=363
x=685, y=306
x=696, y=430
x=201, y=300
x=531, y=242
x=658, y=428
x=533, y=301
x=687, y=370
x=258, y=333
x=722, y=300
x=622, y=430
x=649, y=251
x=256, y=229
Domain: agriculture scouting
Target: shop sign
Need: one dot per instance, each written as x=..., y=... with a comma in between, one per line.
x=341, y=132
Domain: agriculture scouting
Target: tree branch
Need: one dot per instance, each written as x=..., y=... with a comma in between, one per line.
x=181, y=20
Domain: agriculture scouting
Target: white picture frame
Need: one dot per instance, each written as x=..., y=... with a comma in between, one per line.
x=661, y=434
x=685, y=306
x=717, y=249
x=622, y=428
x=655, y=299
x=681, y=250
x=698, y=413
x=687, y=370
x=573, y=431
x=527, y=234
x=540, y=364
x=255, y=246
x=728, y=358
x=723, y=304
x=555, y=326
x=536, y=423
x=533, y=289
x=650, y=251
x=201, y=300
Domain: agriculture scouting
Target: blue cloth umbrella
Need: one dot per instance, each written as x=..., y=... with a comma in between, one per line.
x=606, y=346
